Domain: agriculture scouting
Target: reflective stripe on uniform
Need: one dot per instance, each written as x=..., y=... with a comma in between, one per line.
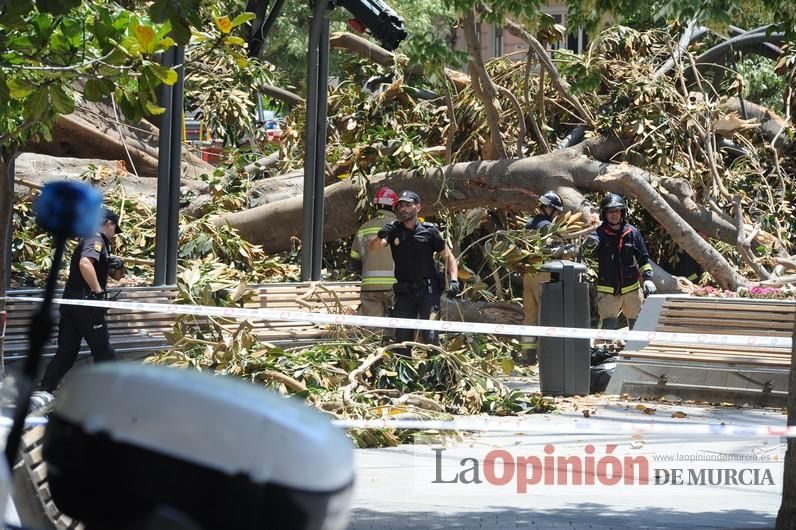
x=610, y=290
x=630, y=288
x=355, y=255
x=646, y=267
x=373, y=230
x=378, y=280
x=693, y=277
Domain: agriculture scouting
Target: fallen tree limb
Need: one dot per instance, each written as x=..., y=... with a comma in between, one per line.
x=363, y=47
x=494, y=184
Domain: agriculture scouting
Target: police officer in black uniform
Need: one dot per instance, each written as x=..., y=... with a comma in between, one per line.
x=419, y=285
x=89, y=269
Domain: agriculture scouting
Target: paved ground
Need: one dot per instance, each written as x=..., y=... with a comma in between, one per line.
x=412, y=486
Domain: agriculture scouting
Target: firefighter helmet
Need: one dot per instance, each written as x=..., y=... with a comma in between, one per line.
x=385, y=197
x=613, y=201
x=553, y=199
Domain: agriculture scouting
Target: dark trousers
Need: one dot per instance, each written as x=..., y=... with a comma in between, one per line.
x=416, y=303
x=77, y=323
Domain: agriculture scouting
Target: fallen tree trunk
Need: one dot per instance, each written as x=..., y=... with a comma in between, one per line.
x=499, y=184
x=93, y=132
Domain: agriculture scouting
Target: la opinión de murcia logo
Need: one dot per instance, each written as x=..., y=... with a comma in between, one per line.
x=501, y=467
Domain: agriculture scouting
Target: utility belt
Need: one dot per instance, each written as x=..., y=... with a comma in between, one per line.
x=407, y=287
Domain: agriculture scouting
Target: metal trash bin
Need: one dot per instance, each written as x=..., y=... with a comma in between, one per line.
x=564, y=363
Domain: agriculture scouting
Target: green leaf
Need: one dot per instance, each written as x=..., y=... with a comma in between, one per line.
x=19, y=88
x=242, y=19
x=153, y=108
x=39, y=103
x=63, y=102
x=507, y=365
x=164, y=44
x=129, y=108
x=96, y=89
x=234, y=41
x=167, y=76
x=72, y=30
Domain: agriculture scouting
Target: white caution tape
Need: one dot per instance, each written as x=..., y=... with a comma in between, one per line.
x=436, y=325
x=527, y=425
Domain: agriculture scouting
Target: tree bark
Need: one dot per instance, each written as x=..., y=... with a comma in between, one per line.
x=92, y=133
x=786, y=518
x=354, y=43
x=503, y=184
x=770, y=122
x=280, y=94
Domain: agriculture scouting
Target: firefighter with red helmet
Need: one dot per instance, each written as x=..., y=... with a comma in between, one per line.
x=624, y=274
x=375, y=266
x=550, y=205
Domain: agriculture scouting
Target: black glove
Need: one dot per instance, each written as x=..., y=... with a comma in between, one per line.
x=96, y=296
x=453, y=288
x=388, y=230
x=115, y=263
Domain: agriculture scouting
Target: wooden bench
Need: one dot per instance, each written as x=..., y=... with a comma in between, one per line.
x=750, y=373
x=135, y=335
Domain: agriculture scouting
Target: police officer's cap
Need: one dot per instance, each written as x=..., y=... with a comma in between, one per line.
x=408, y=196
x=110, y=215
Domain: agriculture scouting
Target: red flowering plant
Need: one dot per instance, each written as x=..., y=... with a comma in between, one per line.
x=752, y=291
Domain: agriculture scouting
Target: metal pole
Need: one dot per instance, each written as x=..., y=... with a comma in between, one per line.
x=310, y=145
x=320, y=149
x=175, y=167
x=164, y=168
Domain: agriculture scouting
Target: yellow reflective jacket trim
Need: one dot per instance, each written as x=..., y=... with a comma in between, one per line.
x=628, y=289
x=369, y=231
x=646, y=267
x=693, y=277
x=378, y=280
x=355, y=255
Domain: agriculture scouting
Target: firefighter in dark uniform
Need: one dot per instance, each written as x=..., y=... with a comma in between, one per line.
x=89, y=269
x=418, y=284
x=624, y=267
x=550, y=205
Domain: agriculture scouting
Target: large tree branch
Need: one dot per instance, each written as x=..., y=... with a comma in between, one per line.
x=280, y=94
x=354, y=43
x=483, y=86
x=558, y=82
x=495, y=184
